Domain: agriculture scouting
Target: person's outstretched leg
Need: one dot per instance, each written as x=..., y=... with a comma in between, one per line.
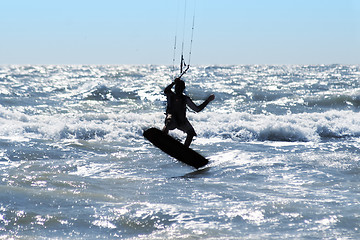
x=167, y=123
x=165, y=129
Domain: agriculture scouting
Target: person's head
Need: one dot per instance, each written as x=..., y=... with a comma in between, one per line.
x=179, y=86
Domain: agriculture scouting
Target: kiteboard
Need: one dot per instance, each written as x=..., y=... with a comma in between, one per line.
x=174, y=148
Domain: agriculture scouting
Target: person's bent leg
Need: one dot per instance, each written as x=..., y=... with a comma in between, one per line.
x=190, y=133
x=189, y=139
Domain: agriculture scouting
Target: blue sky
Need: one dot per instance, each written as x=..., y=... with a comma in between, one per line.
x=143, y=31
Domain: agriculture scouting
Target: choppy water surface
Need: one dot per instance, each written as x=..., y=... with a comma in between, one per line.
x=283, y=144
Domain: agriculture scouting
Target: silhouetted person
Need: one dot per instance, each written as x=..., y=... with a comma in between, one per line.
x=176, y=110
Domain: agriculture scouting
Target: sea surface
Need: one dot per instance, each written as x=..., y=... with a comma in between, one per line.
x=283, y=143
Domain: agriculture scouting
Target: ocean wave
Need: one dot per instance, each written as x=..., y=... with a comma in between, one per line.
x=253, y=102
x=79, y=168
x=104, y=93
x=279, y=132
x=334, y=101
x=302, y=127
x=127, y=126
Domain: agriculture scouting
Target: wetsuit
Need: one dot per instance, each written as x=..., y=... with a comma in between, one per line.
x=176, y=111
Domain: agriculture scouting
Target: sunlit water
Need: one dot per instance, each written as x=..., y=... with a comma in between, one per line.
x=283, y=144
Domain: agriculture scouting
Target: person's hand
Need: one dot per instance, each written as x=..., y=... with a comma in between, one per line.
x=177, y=80
x=211, y=97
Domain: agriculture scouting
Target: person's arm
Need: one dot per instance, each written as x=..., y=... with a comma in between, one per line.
x=196, y=108
x=167, y=90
